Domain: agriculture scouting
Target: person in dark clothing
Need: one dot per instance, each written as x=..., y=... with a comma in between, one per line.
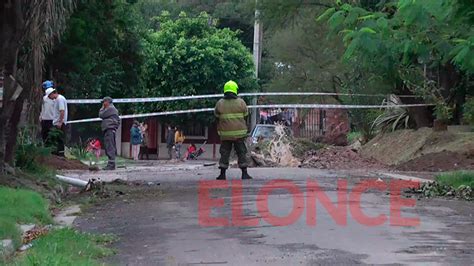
x=136, y=139
x=170, y=141
x=144, y=146
x=232, y=128
x=110, y=123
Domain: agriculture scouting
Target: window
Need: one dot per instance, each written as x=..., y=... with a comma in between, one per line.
x=195, y=130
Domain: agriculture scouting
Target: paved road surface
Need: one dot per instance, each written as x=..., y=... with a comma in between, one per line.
x=158, y=225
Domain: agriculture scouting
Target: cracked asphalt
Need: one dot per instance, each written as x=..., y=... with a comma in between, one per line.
x=159, y=224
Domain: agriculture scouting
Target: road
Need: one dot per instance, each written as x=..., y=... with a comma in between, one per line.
x=159, y=224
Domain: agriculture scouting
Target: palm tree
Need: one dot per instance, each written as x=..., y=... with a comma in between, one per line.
x=28, y=31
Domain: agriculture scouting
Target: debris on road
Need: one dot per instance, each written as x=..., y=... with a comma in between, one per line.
x=288, y=152
x=435, y=189
x=275, y=152
x=333, y=157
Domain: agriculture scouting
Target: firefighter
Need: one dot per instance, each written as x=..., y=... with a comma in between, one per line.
x=232, y=128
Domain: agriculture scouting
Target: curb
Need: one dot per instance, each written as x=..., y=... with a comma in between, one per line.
x=405, y=177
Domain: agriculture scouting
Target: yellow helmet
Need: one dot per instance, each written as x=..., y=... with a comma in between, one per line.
x=231, y=86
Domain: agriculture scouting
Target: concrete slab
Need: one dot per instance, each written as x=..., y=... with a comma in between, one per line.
x=26, y=227
x=67, y=216
x=6, y=248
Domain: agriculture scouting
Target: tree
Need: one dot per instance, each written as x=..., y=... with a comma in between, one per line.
x=28, y=31
x=424, y=48
x=236, y=15
x=100, y=53
x=190, y=56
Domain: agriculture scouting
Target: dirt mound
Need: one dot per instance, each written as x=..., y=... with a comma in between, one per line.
x=343, y=158
x=61, y=163
x=400, y=146
x=438, y=162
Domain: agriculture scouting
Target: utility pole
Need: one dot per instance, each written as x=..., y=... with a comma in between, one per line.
x=257, y=57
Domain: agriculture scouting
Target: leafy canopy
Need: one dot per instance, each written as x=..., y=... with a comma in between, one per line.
x=406, y=32
x=190, y=56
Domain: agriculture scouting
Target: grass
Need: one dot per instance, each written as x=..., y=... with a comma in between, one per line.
x=66, y=247
x=103, y=160
x=456, y=179
x=18, y=206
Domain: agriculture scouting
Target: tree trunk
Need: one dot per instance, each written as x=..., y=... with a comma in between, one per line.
x=13, y=130
x=12, y=28
x=422, y=116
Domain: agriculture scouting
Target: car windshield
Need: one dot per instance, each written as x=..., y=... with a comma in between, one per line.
x=264, y=132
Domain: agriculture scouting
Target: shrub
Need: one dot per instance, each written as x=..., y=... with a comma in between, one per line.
x=468, y=111
x=28, y=152
x=443, y=112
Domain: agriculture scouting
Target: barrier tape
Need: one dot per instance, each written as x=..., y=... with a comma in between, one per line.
x=297, y=106
x=206, y=96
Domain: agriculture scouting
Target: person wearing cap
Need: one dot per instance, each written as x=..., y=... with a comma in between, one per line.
x=47, y=112
x=230, y=112
x=60, y=117
x=110, y=123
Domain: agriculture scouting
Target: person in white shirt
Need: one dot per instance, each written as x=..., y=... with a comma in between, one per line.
x=60, y=116
x=47, y=112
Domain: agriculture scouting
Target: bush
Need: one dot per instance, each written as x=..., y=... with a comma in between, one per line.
x=362, y=121
x=443, y=112
x=468, y=113
x=28, y=152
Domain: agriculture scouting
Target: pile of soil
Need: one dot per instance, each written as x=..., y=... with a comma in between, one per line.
x=401, y=146
x=439, y=162
x=343, y=158
x=61, y=163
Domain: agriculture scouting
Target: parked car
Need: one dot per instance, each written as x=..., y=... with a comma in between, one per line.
x=265, y=132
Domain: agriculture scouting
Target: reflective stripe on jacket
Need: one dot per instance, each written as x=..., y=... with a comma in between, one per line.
x=231, y=113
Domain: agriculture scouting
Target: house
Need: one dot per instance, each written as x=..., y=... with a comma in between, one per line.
x=329, y=125
x=197, y=133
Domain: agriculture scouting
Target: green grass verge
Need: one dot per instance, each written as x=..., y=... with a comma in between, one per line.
x=103, y=160
x=18, y=206
x=456, y=179
x=66, y=247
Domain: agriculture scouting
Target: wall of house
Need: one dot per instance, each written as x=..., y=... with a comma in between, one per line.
x=157, y=140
